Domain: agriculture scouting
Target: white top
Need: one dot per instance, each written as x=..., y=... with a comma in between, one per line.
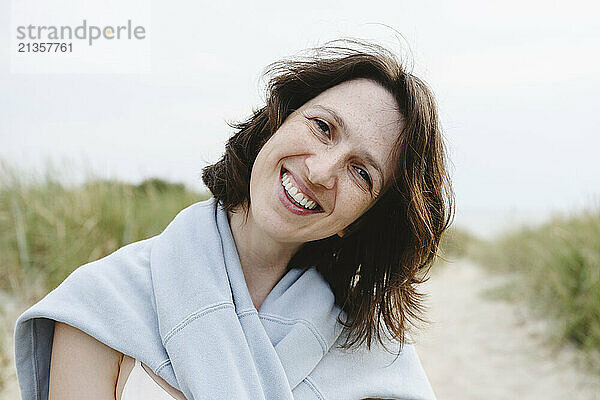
x=141, y=386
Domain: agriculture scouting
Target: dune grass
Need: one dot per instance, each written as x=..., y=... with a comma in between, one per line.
x=457, y=243
x=49, y=228
x=556, y=269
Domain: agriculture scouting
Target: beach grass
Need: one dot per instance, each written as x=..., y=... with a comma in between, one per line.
x=457, y=243
x=49, y=228
x=555, y=268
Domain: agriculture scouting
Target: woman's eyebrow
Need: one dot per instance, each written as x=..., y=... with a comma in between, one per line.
x=336, y=117
x=342, y=124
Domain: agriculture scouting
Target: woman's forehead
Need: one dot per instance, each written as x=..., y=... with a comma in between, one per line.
x=360, y=103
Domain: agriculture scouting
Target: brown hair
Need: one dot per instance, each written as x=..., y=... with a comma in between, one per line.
x=374, y=269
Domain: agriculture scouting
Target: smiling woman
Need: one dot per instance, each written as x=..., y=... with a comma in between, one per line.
x=327, y=209
x=351, y=131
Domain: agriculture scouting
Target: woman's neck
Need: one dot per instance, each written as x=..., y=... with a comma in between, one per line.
x=263, y=259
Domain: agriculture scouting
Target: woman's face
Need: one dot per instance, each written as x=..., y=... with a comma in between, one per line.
x=335, y=150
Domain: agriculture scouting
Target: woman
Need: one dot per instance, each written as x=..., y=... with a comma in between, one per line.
x=327, y=206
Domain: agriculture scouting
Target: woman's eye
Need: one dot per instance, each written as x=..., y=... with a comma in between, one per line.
x=323, y=126
x=364, y=174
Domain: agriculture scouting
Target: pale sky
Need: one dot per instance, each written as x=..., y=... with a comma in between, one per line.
x=516, y=81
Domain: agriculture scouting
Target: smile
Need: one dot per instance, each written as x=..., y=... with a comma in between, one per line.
x=293, y=198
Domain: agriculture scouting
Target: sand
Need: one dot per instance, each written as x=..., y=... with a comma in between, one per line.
x=483, y=348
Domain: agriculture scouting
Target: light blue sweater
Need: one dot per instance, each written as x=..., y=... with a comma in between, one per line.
x=179, y=303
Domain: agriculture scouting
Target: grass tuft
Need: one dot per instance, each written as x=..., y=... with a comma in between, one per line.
x=558, y=269
x=49, y=228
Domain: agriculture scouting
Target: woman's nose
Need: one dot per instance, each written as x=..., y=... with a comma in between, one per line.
x=322, y=169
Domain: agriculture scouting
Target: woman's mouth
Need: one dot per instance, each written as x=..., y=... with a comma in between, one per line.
x=293, y=198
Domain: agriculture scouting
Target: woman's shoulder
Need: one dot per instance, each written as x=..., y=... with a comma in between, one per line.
x=83, y=367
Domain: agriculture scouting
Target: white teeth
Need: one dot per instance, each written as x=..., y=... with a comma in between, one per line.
x=296, y=194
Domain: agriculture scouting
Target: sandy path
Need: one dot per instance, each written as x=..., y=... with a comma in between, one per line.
x=489, y=349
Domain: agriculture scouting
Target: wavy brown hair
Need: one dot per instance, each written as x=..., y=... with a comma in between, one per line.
x=373, y=270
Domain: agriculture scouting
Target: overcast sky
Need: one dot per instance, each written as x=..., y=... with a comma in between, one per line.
x=516, y=81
